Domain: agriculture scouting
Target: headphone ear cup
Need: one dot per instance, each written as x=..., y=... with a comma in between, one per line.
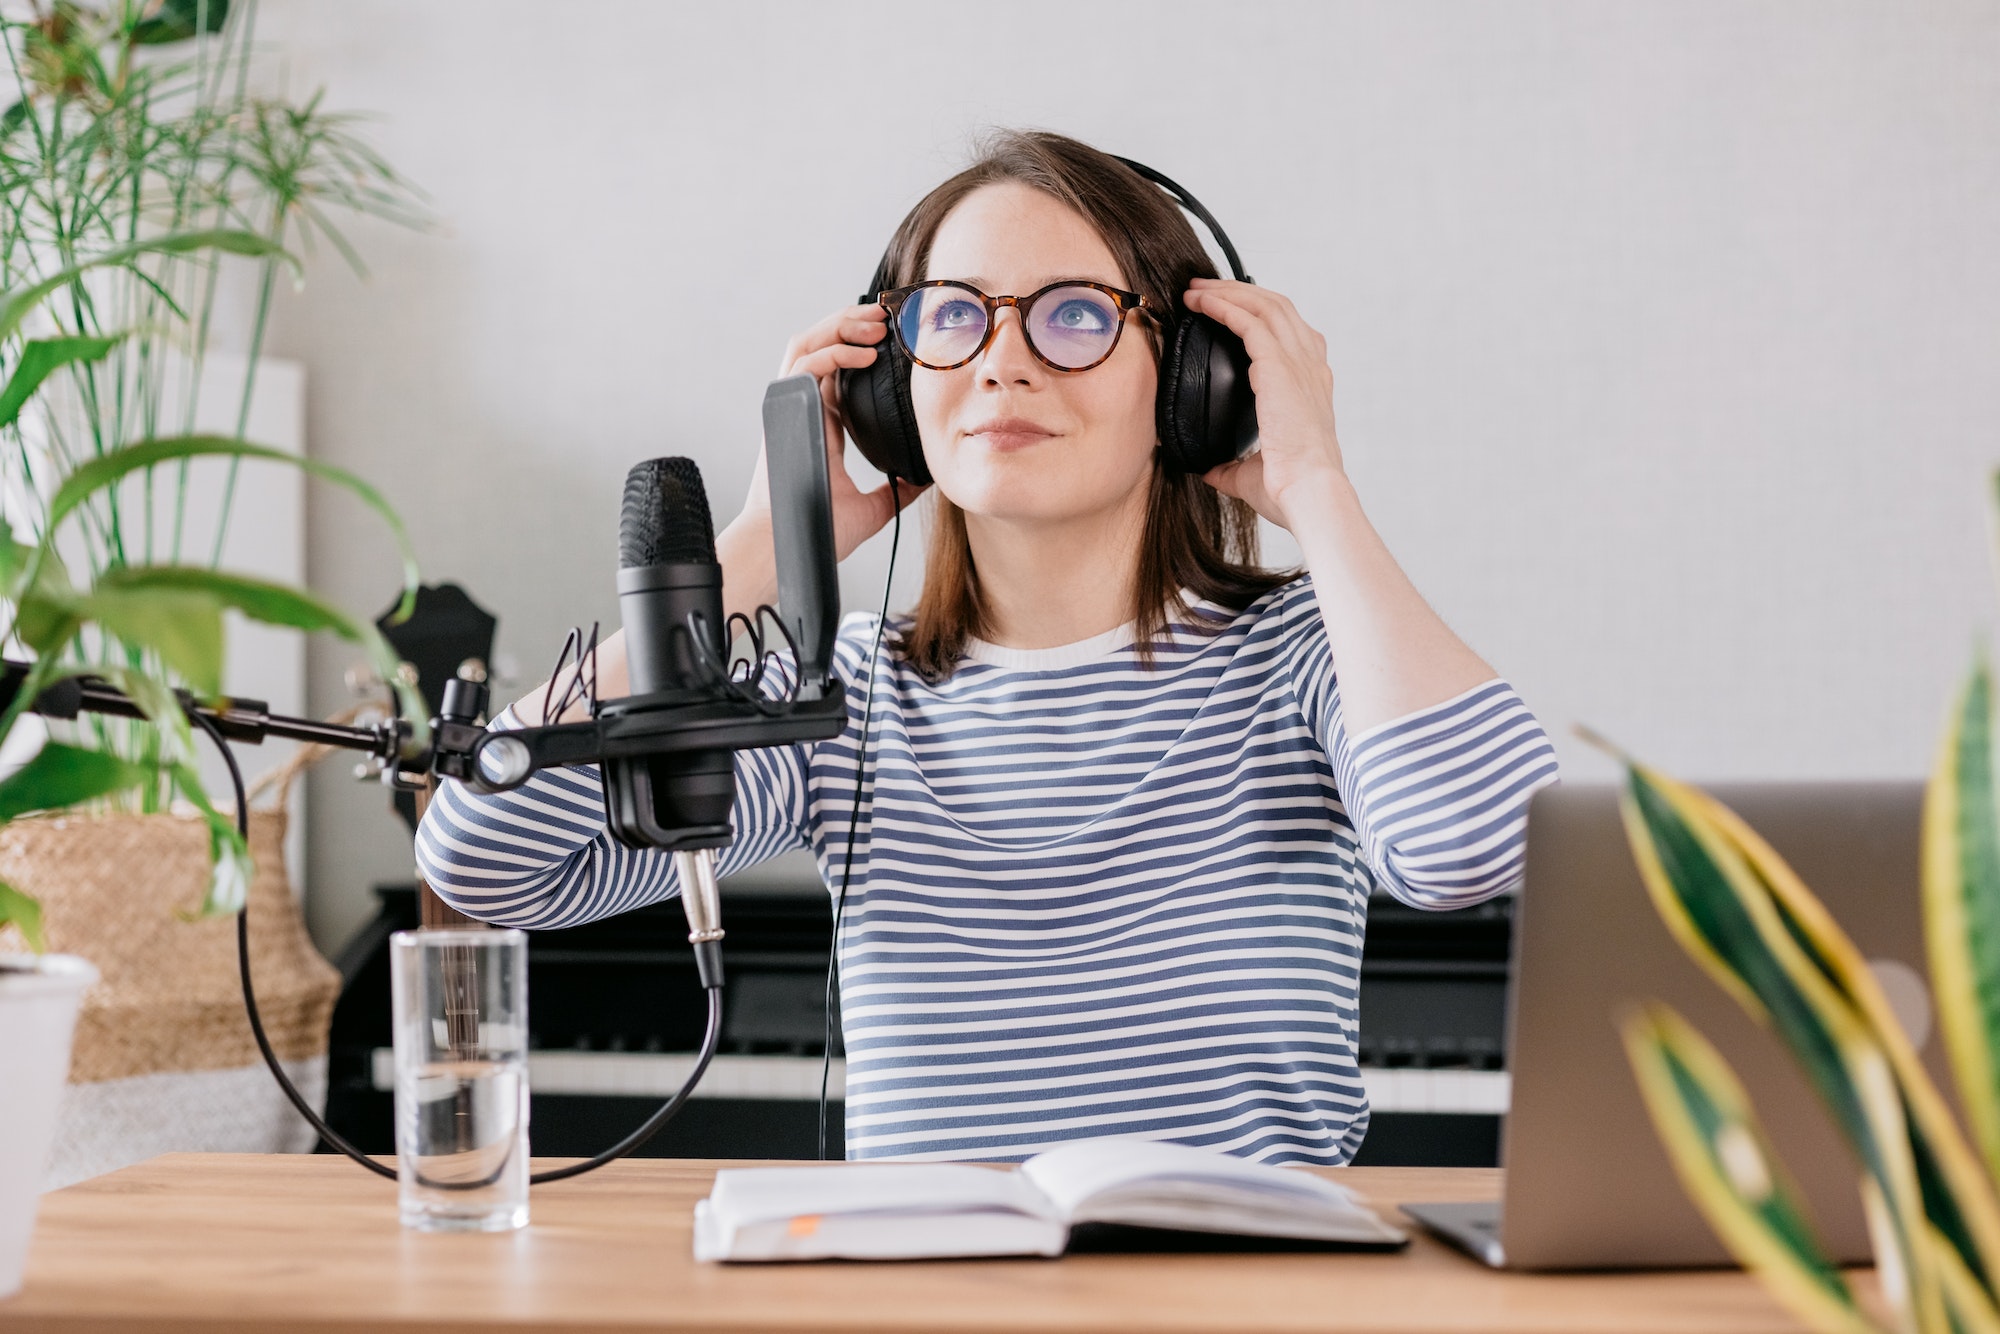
x=881, y=419
x=1206, y=414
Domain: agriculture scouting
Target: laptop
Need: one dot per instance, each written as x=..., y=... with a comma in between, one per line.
x=1588, y=1185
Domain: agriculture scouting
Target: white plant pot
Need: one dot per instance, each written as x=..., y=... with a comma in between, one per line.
x=37, y=1015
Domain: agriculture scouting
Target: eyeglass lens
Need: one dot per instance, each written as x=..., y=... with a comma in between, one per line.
x=1069, y=327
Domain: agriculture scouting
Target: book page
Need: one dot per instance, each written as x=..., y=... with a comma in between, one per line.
x=1152, y=1184
x=746, y=1195
x=873, y=1211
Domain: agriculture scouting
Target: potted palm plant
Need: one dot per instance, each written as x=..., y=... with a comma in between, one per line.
x=127, y=120
x=174, y=615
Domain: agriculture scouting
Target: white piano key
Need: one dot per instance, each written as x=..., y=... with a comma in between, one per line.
x=796, y=1078
x=633, y=1074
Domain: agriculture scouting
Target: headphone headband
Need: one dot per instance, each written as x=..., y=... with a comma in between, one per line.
x=1161, y=179
x=1194, y=206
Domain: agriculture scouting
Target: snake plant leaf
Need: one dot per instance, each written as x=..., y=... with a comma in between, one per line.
x=108, y=469
x=1716, y=904
x=1958, y=1197
x=62, y=775
x=1970, y=1306
x=24, y=914
x=1724, y=1161
x=15, y=305
x=1962, y=906
x=42, y=358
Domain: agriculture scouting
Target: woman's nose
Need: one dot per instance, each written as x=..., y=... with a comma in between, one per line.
x=1007, y=359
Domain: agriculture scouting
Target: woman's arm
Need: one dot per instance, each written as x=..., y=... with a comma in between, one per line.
x=1434, y=758
x=843, y=340
x=1394, y=654
x=540, y=856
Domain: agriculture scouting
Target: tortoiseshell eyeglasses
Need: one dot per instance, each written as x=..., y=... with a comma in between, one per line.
x=1069, y=326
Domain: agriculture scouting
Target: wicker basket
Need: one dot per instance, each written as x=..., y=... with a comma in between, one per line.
x=164, y=1060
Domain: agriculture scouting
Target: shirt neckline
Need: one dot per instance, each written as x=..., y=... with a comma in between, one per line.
x=1052, y=659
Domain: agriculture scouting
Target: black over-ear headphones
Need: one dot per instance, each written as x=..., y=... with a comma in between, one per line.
x=1205, y=412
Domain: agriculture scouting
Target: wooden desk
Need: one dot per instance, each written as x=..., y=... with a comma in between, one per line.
x=241, y=1242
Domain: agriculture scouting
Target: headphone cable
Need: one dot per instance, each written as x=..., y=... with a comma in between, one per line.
x=854, y=814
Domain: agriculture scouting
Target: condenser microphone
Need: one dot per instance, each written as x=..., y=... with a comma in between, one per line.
x=669, y=582
x=670, y=601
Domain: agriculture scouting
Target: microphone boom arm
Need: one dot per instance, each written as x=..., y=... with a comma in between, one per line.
x=635, y=727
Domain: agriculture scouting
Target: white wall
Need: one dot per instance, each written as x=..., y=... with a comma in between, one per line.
x=1665, y=332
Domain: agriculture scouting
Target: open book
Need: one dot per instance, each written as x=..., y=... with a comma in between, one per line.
x=913, y=1211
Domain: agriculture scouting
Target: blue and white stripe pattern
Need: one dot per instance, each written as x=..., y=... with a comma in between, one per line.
x=1088, y=898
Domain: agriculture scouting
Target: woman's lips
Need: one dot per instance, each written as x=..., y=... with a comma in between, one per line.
x=1009, y=433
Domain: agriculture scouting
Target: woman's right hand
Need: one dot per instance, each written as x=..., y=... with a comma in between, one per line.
x=845, y=340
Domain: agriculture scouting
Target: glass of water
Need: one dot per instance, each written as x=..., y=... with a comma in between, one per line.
x=461, y=1021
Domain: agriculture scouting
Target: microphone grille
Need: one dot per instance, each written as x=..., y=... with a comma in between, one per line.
x=665, y=516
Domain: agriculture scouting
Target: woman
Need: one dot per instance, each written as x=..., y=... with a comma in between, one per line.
x=1120, y=820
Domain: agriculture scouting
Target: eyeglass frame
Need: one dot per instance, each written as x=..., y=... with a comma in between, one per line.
x=892, y=301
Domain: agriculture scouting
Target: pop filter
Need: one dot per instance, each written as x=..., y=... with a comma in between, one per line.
x=802, y=526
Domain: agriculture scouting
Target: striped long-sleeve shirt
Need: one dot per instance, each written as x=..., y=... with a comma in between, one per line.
x=1087, y=897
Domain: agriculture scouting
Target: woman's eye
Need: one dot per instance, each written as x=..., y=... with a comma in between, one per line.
x=1080, y=316
x=955, y=315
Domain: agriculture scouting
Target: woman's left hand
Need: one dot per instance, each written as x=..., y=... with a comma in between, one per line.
x=1297, y=447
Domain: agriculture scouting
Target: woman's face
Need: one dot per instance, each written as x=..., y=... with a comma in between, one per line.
x=1006, y=437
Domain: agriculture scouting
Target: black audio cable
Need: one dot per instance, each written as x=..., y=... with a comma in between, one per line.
x=711, y=1036
x=854, y=812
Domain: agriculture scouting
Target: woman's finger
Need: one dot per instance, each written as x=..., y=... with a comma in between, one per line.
x=827, y=360
x=1243, y=480
x=844, y=325
x=896, y=494
x=1223, y=478
x=1274, y=308
x=1293, y=351
x=1259, y=338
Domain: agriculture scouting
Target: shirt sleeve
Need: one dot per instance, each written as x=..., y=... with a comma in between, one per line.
x=541, y=855
x=1438, y=797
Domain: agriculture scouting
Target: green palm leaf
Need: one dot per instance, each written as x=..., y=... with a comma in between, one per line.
x=23, y=913
x=62, y=775
x=273, y=604
x=42, y=358
x=107, y=470
x=15, y=305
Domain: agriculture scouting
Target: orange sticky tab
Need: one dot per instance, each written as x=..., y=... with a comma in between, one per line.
x=804, y=1225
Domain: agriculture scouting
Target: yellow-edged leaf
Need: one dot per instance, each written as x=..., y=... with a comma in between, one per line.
x=1834, y=956
x=1961, y=875
x=1699, y=870
x=1724, y=1161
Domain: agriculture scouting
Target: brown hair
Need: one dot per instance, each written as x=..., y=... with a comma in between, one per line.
x=1195, y=539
